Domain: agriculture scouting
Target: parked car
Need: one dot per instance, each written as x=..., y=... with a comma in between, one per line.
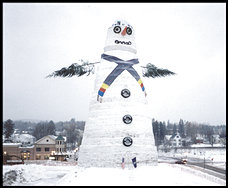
x=182, y=161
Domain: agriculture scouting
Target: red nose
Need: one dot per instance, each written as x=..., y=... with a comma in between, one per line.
x=124, y=31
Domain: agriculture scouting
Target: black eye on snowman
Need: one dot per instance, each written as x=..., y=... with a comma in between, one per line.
x=129, y=31
x=117, y=29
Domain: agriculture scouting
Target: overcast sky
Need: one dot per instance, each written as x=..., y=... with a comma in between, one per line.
x=186, y=38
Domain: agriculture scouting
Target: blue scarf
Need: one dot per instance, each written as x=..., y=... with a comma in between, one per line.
x=121, y=66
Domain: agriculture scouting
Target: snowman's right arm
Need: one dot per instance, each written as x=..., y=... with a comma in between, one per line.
x=75, y=69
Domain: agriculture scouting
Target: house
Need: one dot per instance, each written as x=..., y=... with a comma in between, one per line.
x=60, y=144
x=25, y=139
x=15, y=151
x=50, y=146
x=60, y=152
x=176, y=140
x=199, y=139
x=45, y=148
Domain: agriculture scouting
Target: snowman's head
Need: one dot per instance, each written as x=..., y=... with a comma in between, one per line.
x=120, y=36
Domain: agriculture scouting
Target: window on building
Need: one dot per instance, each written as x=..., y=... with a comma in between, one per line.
x=28, y=156
x=38, y=157
x=38, y=149
x=46, y=149
x=46, y=157
x=25, y=155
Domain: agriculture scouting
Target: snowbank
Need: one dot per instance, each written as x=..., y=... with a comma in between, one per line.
x=60, y=174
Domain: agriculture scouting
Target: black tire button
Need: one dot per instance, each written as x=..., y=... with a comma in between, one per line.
x=127, y=141
x=125, y=93
x=127, y=119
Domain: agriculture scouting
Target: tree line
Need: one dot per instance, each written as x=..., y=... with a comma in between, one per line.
x=73, y=130
x=185, y=129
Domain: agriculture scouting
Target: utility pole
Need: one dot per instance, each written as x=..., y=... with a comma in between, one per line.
x=212, y=140
x=204, y=163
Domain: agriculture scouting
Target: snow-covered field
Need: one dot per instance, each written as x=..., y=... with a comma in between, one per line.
x=51, y=173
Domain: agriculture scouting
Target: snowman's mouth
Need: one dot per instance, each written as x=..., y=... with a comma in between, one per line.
x=123, y=42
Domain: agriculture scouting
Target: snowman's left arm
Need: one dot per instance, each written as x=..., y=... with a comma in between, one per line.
x=74, y=69
x=152, y=71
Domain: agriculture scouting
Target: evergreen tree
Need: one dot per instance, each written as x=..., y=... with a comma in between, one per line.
x=8, y=128
x=156, y=131
x=174, y=128
x=162, y=131
x=223, y=132
x=72, y=121
x=181, y=128
x=51, y=128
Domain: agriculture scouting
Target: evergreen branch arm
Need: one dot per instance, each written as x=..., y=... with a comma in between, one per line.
x=74, y=69
x=152, y=71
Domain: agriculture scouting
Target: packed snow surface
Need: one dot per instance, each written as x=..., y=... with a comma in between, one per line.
x=51, y=173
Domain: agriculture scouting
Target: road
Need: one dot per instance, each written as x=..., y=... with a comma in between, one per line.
x=203, y=164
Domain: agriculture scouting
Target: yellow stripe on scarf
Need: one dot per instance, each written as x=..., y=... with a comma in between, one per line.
x=139, y=81
x=105, y=86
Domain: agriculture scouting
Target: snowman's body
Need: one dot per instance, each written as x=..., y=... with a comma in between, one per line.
x=105, y=130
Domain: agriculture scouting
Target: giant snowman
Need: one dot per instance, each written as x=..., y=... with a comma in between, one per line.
x=119, y=127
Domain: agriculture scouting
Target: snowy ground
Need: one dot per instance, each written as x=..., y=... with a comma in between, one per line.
x=51, y=173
